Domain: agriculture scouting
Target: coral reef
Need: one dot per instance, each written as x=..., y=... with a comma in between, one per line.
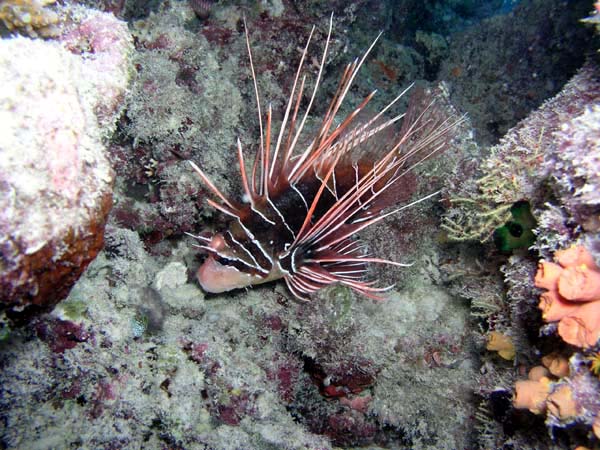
x=56, y=108
x=550, y=162
x=513, y=173
x=138, y=355
x=160, y=197
x=248, y=370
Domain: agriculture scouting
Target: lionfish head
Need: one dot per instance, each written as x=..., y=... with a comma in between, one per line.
x=217, y=273
x=302, y=207
x=215, y=277
x=223, y=270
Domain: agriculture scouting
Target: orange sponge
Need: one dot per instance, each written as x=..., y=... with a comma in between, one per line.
x=561, y=403
x=573, y=295
x=557, y=364
x=579, y=284
x=532, y=395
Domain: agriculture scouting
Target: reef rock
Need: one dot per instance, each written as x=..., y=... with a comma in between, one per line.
x=55, y=180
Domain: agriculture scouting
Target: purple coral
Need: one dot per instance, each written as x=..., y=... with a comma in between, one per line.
x=61, y=335
x=575, y=164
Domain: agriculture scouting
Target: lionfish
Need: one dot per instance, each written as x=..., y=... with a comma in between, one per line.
x=301, y=208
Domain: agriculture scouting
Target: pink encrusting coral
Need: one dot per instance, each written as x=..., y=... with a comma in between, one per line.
x=56, y=108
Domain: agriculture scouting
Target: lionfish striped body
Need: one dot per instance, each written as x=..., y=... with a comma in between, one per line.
x=302, y=209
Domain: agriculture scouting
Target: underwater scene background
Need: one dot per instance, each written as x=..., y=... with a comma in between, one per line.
x=488, y=339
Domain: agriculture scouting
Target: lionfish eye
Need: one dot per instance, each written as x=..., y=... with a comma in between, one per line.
x=224, y=261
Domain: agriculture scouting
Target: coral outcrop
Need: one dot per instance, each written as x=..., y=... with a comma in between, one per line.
x=136, y=353
x=56, y=108
x=561, y=133
x=550, y=160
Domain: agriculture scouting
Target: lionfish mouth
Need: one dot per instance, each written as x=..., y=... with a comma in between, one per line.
x=215, y=277
x=303, y=206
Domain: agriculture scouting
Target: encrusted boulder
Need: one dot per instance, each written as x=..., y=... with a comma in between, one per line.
x=55, y=179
